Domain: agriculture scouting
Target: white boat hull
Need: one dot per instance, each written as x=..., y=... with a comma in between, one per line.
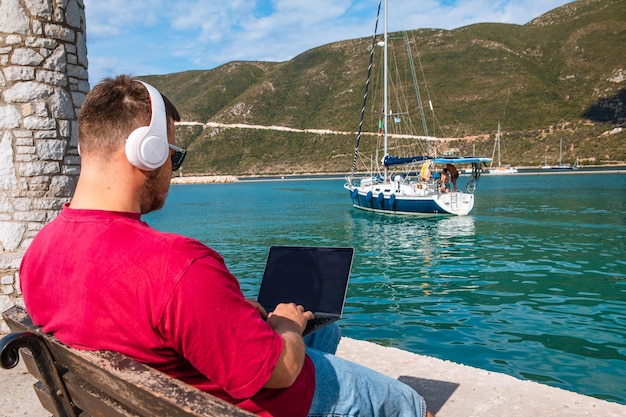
x=502, y=171
x=409, y=199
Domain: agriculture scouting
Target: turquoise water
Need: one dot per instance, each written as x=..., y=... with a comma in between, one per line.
x=531, y=284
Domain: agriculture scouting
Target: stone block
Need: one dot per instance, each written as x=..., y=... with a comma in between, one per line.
x=19, y=73
x=79, y=98
x=9, y=117
x=39, y=42
x=26, y=56
x=6, y=205
x=52, y=77
x=77, y=71
x=39, y=123
x=38, y=8
x=10, y=260
x=8, y=177
x=59, y=32
x=49, y=203
x=72, y=160
x=25, y=158
x=71, y=170
x=57, y=61
x=23, y=134
x=7, y=289
x=6, y=303
x=83, y=87
x=46, y=134
x=65, y=128
x=27, y=241
x=17, y=282
x=13, y=40
x=61, y=105
x=51, y=150
x=74, y=15
x=31, y=169
x=22, y=204
x=19, y=21
x=26, y=150
x=62, y=186
x=27, y=91
x=30, y=216
x=24, y=142
x=11, y=235
x=37, y=27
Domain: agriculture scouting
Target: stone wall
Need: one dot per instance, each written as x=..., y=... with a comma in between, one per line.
x=43, y=82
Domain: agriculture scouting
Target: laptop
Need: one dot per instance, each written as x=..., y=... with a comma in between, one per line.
x=315, y=277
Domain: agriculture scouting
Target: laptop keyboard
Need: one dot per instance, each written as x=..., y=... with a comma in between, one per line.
x=318, y=321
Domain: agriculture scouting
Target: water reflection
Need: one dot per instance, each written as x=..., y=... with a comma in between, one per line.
x=401, y=263
x=409, y=232
x=452, y=227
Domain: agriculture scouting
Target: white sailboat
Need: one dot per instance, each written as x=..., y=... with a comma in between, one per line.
x=500, y=169
x=407, y=185
x=561, y=165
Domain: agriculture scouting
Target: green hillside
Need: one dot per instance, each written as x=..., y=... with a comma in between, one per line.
x=561, y=76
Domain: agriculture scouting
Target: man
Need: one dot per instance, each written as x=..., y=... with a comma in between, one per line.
x=445, y=180
x=454, y=174
x=99, y=278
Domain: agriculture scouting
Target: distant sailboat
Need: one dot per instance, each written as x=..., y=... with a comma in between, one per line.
x=500, y=169
x=561, y=165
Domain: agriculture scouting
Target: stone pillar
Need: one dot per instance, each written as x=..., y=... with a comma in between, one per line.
x=43, y=82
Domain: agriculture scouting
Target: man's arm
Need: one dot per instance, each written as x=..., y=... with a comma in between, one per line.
x=288, y=320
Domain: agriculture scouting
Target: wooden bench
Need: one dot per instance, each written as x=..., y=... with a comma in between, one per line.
x=79, y=383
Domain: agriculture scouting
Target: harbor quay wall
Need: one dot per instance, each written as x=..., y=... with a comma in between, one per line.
x=43, y=83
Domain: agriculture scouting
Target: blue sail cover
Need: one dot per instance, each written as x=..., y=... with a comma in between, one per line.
x=460, y=160
x=389, y=160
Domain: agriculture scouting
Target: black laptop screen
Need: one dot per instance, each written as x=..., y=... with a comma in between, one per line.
x=316, y=277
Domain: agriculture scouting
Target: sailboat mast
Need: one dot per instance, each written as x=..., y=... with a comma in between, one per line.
x=385, y=98
x=498, y=144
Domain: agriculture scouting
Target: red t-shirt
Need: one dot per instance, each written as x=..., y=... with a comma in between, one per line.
x=104, y=280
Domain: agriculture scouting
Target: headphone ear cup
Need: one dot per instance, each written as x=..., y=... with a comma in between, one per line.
x=146, y=152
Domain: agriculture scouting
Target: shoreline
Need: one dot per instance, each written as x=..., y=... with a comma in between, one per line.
x=227, y=179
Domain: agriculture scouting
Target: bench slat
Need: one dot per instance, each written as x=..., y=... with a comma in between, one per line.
x=44, y=397
x=86, y=396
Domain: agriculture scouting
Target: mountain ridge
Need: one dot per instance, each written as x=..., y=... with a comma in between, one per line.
x=558, y=77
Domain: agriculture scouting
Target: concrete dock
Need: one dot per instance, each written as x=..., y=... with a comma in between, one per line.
x=450, y=389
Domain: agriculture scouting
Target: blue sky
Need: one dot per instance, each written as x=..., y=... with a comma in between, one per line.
x=143, y=37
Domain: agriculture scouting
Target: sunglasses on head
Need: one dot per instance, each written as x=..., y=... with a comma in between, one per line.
x=178, y=156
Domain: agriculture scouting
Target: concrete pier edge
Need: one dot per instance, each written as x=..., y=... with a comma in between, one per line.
x=450, y=389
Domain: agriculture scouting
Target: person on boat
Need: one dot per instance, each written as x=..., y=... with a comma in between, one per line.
x=100, y=278
x=445, y=180
x=425, y=173
x=454, y=175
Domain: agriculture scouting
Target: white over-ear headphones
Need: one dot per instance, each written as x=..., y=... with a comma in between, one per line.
x=147, y=147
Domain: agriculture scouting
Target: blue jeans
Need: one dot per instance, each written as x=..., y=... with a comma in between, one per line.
x=344, y=388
